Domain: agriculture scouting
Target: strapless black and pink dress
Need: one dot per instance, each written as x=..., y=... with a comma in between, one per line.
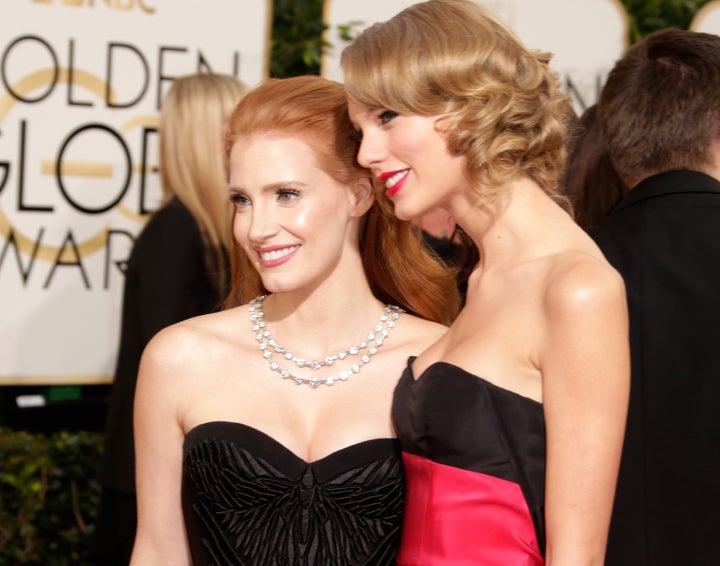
x=248, y=500
x=474, y=457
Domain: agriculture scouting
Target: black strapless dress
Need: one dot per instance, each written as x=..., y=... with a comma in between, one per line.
x=474, y=457
x=248, y=500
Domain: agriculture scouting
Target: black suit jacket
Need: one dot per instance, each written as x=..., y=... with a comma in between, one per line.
x=664, y=239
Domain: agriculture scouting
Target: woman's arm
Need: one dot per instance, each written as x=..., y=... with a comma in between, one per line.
x=585, y=364
x=161, y=537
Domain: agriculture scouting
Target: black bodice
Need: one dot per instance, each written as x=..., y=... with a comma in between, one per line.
x=247, y=499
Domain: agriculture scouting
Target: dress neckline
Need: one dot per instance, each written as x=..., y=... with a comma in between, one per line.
x=339, y=453
x=457, y=370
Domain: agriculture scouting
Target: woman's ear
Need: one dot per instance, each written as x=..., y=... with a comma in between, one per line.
x=363, y=196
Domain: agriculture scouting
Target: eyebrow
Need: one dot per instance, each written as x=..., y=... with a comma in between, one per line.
x=272, y=186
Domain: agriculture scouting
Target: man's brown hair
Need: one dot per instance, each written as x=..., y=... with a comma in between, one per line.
x=660, y=106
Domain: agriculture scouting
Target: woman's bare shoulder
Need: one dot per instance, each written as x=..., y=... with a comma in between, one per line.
x=183, y=346
x=581, y=280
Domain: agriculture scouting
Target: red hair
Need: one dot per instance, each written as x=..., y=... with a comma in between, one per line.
x=398, y=266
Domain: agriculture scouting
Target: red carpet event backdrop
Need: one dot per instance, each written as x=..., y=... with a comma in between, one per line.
x=80, y=88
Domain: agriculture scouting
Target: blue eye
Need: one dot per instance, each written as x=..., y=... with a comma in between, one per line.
x=286, y=195
x=357, y=135
x=387, y=115
x=239, y=199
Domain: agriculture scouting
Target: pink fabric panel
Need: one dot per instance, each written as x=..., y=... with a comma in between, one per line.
x=458, y=517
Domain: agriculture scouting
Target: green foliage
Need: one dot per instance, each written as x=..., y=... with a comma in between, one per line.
x=349, y=31
x=297, y=44
x=48, y=496
x=646, y=16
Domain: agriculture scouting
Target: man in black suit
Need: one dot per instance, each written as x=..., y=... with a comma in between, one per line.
x=660, y=110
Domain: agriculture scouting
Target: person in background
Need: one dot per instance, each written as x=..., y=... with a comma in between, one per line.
x=178, y=268
x=660, y=110
x=590, y=181
x=511, y=425
x=453, y=247
x=263, y=432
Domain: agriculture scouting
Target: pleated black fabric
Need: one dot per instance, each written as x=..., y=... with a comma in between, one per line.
x=248, y=500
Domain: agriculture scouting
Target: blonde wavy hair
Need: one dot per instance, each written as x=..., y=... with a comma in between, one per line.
x=192, y=158
x=499, y=103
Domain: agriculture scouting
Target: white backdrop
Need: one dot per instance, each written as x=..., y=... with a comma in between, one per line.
x=585, y=36
x=707, y=18
x=80, y=85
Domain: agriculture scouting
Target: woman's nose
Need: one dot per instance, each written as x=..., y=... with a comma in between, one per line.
x=370, y=152
x=263, y=225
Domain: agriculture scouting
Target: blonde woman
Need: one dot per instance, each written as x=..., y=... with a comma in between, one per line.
x=511, y=424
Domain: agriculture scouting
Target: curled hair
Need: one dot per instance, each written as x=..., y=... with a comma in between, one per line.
x=399, y=268
x=192, y=167
x=660, y=106
x=500, y=104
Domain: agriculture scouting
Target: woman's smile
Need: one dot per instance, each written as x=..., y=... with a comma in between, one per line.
x=276, y=256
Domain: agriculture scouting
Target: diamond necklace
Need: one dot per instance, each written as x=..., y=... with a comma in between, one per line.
x=365, y=349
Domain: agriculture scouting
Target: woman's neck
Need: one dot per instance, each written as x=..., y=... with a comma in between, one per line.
x=327, y=319
x=514, y=227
